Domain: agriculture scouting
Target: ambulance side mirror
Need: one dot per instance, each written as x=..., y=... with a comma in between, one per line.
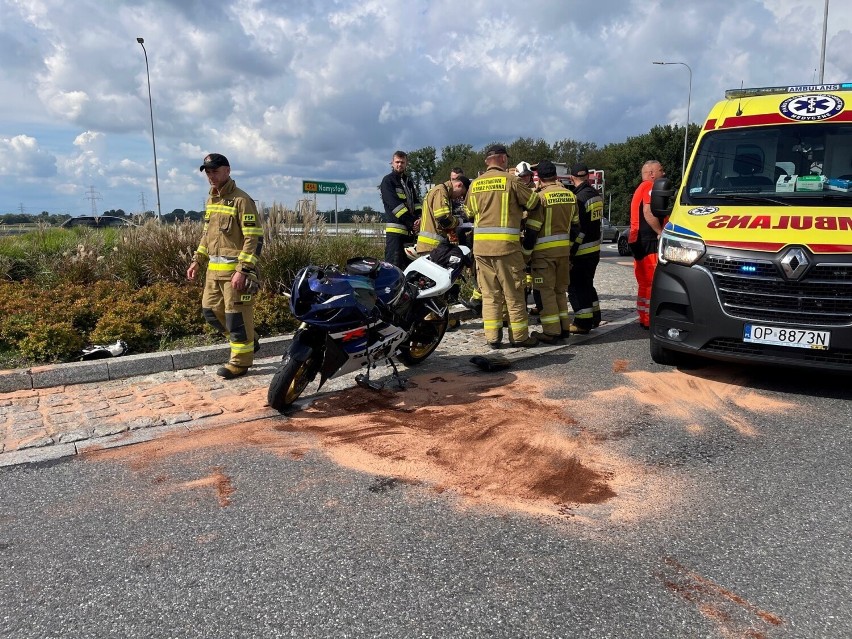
x=662, y=197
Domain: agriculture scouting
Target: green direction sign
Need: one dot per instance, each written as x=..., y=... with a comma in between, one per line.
x=330, y=188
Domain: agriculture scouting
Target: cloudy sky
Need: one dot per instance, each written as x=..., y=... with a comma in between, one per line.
x=309, y=89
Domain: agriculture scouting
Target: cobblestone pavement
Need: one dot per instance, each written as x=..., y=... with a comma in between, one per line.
x=48, y=423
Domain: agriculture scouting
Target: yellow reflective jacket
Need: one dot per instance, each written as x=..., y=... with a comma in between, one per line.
x=497, y=201
x=554, y=230
x=232, y=233
x=437, y=217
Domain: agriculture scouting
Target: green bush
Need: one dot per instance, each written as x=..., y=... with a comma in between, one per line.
x=65, y=288
x=51, y=342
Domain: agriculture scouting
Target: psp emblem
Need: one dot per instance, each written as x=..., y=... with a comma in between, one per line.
x=703, y=210
x=814, y=106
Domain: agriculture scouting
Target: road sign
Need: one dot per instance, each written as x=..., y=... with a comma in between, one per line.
x=330, y=188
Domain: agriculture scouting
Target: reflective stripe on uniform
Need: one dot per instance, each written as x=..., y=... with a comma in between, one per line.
x=549, y=319
x=402, y=229
x=502, y=233
x=589, y=247
x=429, y=238
x=241, y=348
x=552, y=241
x=221, y=209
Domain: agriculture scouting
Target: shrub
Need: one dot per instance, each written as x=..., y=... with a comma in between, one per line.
x=51, y=342
x=65, y=288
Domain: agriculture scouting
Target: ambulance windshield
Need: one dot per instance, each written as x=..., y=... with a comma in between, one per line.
x=774, y=164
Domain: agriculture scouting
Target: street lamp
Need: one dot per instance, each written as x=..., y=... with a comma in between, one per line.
x=822, y=49
x=688, y=101
x=141, y=42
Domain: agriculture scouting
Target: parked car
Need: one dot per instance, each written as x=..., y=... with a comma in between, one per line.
x=99, y=222
x=609, y=231
x=623, y=249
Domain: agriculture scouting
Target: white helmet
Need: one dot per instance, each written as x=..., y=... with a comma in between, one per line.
x=523, y=168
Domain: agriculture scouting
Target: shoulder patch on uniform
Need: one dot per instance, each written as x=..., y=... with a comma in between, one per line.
x=559, y=197
x=481, y=185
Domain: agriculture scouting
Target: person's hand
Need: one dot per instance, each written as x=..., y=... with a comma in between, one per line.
x=416, y=227
x=238, y=282
x=192, y=271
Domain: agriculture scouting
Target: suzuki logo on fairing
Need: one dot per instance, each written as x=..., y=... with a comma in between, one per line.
x=795, y=263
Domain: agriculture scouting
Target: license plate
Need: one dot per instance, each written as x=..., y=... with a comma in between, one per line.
x=783, y=336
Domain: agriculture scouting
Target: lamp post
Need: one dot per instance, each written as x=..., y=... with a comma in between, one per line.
x=822, y=49
x=688, y=101
x=141, y=42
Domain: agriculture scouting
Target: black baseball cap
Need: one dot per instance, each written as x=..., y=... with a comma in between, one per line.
x=580, y=170
x=546, y=170
x=496, y=149
x=214, y=161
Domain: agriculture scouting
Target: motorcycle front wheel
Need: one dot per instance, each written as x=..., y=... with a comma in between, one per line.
x=289, y=382
x=425, y=335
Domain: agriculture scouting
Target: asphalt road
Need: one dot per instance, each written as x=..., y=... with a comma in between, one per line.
x=729, y=518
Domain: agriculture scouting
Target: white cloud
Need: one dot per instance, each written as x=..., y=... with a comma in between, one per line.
x=21, y=157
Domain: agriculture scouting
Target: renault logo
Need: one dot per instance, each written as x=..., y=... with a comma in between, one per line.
x=795, y=263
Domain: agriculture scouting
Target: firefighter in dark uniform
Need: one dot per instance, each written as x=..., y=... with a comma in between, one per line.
x=402, y=210
x=550, y=265
x=497, y=201
x=586, y=254
x=229, y=246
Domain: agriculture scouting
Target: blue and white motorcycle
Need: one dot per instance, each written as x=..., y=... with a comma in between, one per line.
x=363, y=314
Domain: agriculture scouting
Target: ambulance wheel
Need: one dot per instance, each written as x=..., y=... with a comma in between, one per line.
x=664, y=356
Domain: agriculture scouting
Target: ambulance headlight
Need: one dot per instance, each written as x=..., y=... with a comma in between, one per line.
x=680, y=250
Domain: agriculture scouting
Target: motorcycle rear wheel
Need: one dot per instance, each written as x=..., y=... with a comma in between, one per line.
x=289, y=382
x=425, y=336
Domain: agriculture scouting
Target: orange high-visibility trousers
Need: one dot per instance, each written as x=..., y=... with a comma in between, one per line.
x=644, y=270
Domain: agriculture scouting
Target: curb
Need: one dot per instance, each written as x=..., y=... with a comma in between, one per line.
x=104, y=370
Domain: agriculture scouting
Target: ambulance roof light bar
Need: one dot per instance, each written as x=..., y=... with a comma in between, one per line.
x=800, y=88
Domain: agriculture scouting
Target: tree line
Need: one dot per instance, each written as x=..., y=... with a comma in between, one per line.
x=620, y=161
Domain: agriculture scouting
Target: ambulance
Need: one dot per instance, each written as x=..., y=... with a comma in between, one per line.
x=755, y=258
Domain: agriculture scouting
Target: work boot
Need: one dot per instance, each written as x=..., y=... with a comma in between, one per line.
x=548, y=339
x=529, y=342
x=230, y=371
x=496, y=343
x=576, y=330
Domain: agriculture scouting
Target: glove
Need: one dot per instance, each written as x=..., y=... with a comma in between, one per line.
x=252, y=283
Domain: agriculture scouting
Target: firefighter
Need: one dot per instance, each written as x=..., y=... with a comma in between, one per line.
x=645, y=230
x=402, y=205
x=551, y=257
x=586, y=254
x=497, y=201
x=438, y=219
x=525, y=172
x=230, y=244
